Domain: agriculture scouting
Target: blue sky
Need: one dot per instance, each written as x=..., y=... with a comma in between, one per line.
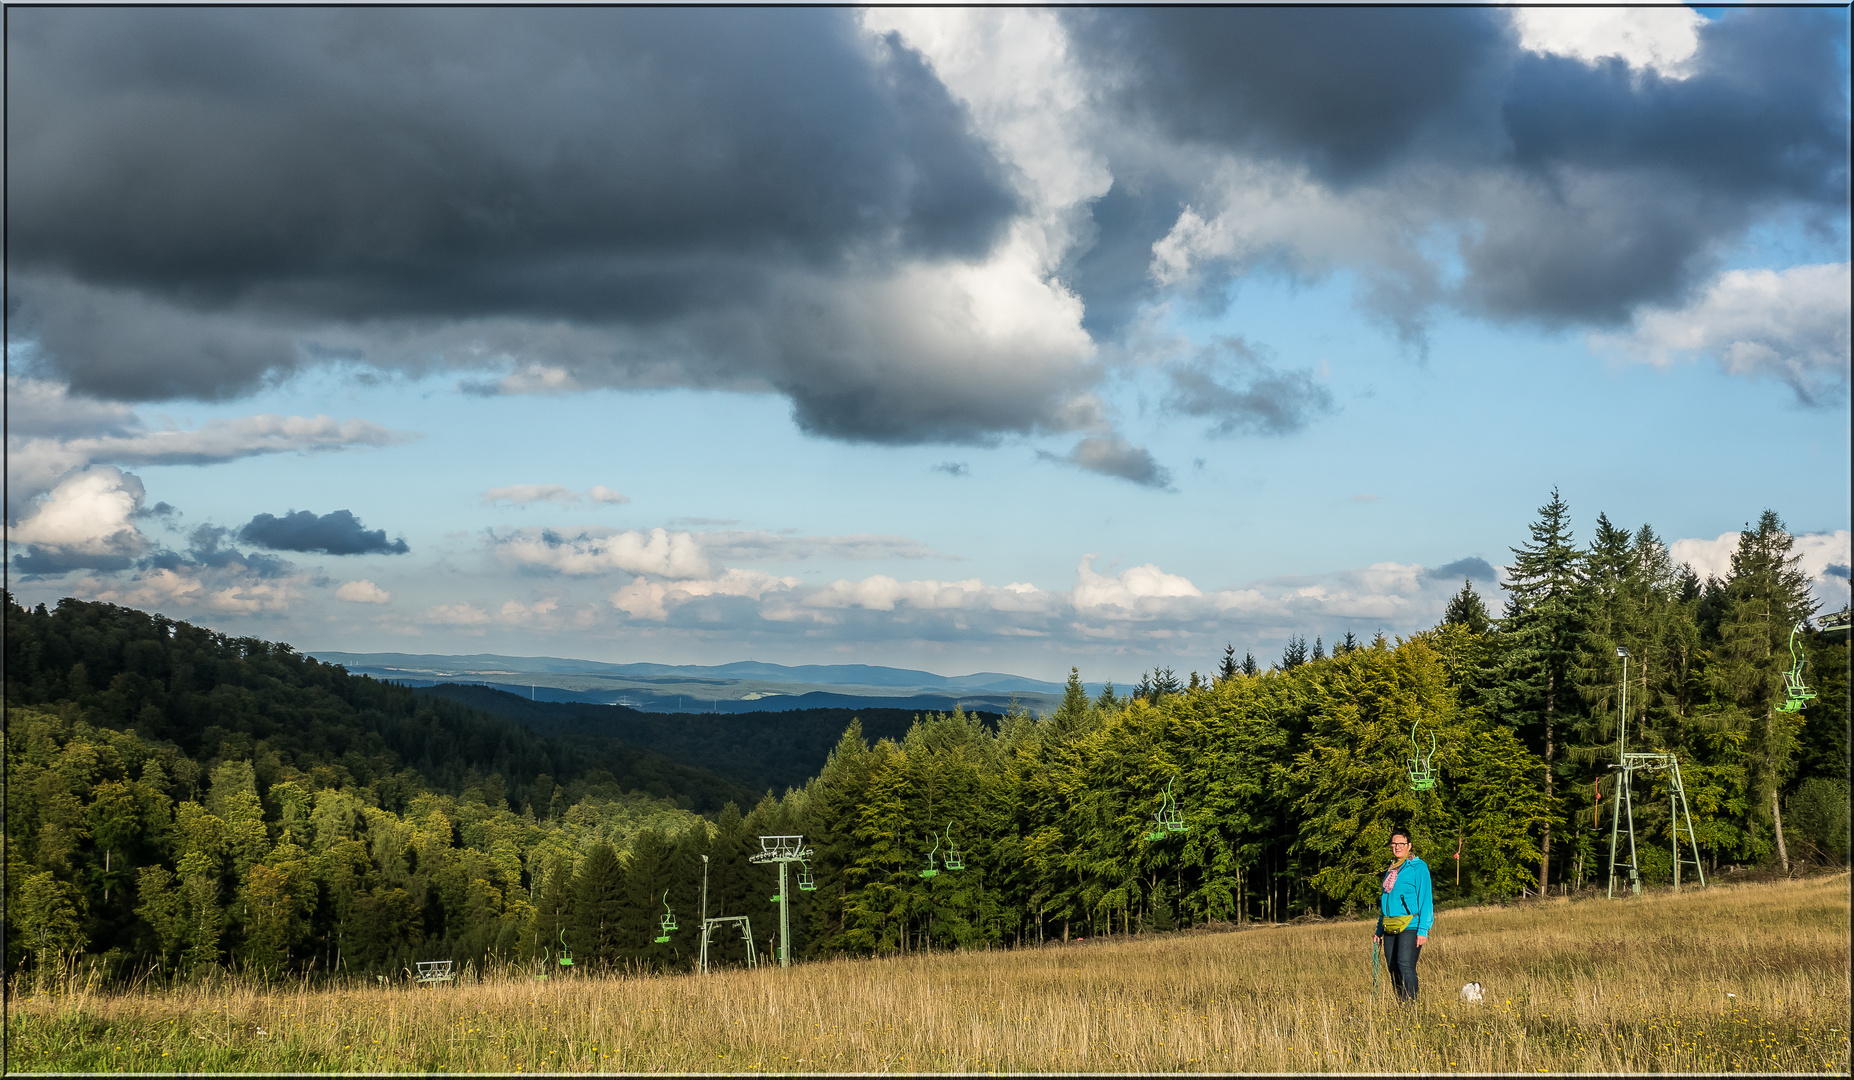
x=1115, y=380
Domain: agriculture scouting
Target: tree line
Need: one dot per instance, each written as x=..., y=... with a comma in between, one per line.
x=143, y=835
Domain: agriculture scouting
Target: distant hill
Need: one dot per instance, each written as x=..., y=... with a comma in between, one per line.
x=762, y=750
x=218, y=697
x=743, y=686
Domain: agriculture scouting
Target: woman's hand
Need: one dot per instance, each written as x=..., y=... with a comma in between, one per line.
x=1422, y=940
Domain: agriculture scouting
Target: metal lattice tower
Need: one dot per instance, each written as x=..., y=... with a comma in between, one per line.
x=1622, y=813
x=783, y=850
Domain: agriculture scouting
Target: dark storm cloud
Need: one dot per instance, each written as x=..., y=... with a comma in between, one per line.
x=39, y=561
x=1343, y=90
x=1233, y=385
x=1582, y=190
x=1471, y=567
x=197, y=196
x=206, y=550
x=336, y=533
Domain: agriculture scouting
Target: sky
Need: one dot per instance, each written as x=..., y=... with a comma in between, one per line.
x=952, y=339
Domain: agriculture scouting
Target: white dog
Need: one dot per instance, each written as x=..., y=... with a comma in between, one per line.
x=1471, y=992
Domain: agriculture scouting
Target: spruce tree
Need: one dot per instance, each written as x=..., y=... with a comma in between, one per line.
x=1542, y=629
x=1228, y=668
x=1765, y=597
x=1249, y=666
x=1319, y=647
x=1464, y=609
x=596, y=935
x=1072, y=715
x=1295, y=654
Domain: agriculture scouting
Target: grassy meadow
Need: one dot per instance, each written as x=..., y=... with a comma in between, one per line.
x=1750, y=977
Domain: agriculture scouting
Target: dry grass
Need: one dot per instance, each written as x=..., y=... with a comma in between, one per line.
x=1586, y=986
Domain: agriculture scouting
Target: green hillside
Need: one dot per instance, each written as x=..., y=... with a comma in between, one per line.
x=765, y=751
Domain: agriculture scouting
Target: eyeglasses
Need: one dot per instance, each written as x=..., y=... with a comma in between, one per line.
x=1400, y=843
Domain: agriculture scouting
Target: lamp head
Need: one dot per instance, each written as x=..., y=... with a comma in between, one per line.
x=1622, y=652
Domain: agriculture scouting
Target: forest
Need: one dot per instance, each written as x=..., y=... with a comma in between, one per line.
x=179, y=802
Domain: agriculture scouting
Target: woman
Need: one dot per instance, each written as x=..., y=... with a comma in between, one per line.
x=1406, y=911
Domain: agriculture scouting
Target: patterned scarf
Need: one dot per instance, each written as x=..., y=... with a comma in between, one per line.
x=1390, y=875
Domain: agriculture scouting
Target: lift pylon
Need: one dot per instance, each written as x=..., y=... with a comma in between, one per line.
x=783, y=850
x=1622, y=807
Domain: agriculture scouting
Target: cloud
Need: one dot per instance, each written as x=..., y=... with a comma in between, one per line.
x=52, y=432
x=338, y=532
x=1789, y=325
x=1264, y=401
x=758, y=546
x=880, y=592
x=86, y=522
x=1471, y=567
x=527, y=494
x=206, y=550
x=912, y=224
x=953, y=468
x=229, y=585
x=1661, y=38
x=363, y=592
x=1448, y=158
x=455, y=615
x=1111, y=455
x=646, y=599
x=602, y=551
x=1135, y=589
x=836, y=233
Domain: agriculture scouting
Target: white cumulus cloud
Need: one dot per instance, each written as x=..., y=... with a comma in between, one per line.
x=602, y=551
x=1140, y=588
x=647, y=599
x=1662, y=38
x=91, y=513
x=363, y=592
x=1789, y=325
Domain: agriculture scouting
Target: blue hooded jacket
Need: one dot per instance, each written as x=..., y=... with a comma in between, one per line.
x=1411, y=895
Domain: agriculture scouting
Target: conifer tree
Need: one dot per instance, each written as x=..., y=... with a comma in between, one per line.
x=1465, y=608
x=1295, y=654
x=1229, y=668
x=1766, y=596
x=1542, y=630
x=599, y=902
x=1072, y=715
x=1319, y=647
x=1249, y=666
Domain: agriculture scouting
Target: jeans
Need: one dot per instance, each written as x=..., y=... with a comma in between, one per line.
x=1400, y=953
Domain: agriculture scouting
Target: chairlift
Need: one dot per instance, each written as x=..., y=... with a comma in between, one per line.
x=805, y=882
x=931, y=870
x=955, y=859
x=1168, y=818
x=669, y=920
x=566, y=956
x=1798, y=692
x=1422, y=767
